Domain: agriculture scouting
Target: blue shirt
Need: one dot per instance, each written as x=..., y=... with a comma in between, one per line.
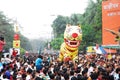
x=38, y=61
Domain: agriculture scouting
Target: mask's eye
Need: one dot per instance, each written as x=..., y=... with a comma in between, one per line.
x=80, y=31
x=68, y=30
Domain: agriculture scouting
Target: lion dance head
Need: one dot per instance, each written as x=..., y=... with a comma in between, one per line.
x=73, y=36
x=72, y=40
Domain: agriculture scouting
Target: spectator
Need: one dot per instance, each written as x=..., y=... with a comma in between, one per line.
x=14, y=52
x=84, y=69
x=38, y=63
x=3, y=59
x=7, y=60
x=2, y=43
x=29, y=74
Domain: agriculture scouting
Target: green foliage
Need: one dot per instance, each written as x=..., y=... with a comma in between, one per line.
x=59, y=25
x=93, y=18
x=88, y=35
x=22, y=51
x=75, y=19
x=56, y=43
x=91, y=22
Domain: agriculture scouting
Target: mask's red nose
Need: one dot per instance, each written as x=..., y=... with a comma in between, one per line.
x=74, y=35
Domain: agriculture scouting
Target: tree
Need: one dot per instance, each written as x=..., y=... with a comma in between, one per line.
x=59, y=25
x=93, y=17
x=91, y=21
x=56, y=43
x=75, y=19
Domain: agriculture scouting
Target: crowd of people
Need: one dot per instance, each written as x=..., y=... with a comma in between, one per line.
x=47, y=67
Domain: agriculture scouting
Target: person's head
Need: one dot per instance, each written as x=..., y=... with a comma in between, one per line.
x=118, y=70
x=94, y=75
x=66, y=76
x=74, y=78
x=1, y=38
x=45, y=71
x=4, y=76
x=79, y=77
x=71, y=72
x=40, y=56
x=58, y=78
x=23, y=76
x=29, y=71
x=2, y=56
x=84, y=72
x=52, y=76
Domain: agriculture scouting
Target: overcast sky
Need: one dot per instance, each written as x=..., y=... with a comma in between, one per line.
x=35, y=16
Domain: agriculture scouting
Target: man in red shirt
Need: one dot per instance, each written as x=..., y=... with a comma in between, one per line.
x=2, y=43
x=14, y=53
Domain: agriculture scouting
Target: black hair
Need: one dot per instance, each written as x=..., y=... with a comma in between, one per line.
x=49, y=72
x=52, y=76
x=71, y=72
x=78, y=70
x=56, y=69
x=37, y=71
x=4, y=76
x=1, y=38
x=58, y=78
x=117, y=70
x=85, y=71
x=24, y=76
x=45, y=71
x=2, y=56
x=79, y=77
x=66, y=76
x=40, y=56
x=64, y=70
x=94, y=75
x=29, y=71
x=74, y=78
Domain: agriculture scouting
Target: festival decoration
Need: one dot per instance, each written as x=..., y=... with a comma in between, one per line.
x=16, y=43
x=72, y=40
x=16, y=36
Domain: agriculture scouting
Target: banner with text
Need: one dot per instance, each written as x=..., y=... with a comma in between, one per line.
x=110, y=20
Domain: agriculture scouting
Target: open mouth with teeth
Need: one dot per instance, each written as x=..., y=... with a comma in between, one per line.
x=72, y=44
